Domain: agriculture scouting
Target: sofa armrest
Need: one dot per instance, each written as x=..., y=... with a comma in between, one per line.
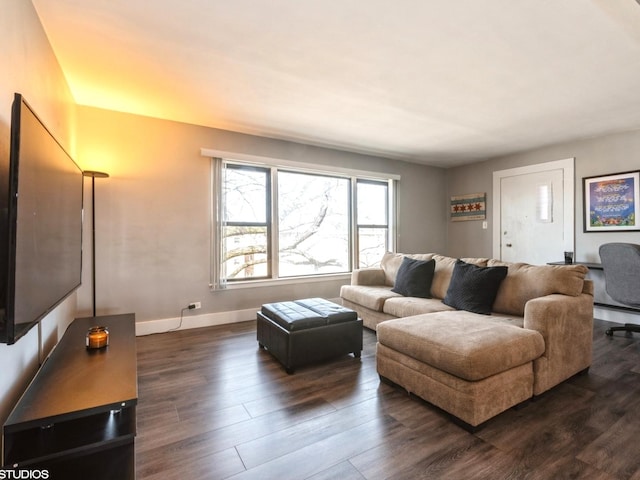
x=566, y=323
x=368, y=276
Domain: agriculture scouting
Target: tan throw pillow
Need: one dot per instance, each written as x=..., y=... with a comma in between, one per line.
x=390, y=263
x=524, y=282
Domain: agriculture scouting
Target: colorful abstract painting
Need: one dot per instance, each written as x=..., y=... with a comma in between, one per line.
x=611, y=202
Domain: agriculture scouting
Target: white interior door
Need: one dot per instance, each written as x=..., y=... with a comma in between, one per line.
x=532, y=219
x=534, y=213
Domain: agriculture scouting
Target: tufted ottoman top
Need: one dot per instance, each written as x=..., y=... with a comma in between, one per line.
x=307, y=313
x=464, y=344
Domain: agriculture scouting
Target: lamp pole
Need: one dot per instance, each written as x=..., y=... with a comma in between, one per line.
x=93, y=174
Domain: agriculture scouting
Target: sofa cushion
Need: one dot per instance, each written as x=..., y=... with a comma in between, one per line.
x=506, y=319
x=474, y=288
x=462, y=343
x=444, y=270
x=414, y=278
x=372, y=297
x=525, y=282
x=409, y=306
x=391, y=263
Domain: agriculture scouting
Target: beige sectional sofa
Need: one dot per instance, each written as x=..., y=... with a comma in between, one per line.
x=538, y=332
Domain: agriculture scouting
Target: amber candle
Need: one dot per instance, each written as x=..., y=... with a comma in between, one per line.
x=97, y=337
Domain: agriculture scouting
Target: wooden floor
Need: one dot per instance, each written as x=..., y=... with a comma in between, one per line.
x=212, y=405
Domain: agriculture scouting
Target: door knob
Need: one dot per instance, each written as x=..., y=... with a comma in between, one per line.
x=509, y=245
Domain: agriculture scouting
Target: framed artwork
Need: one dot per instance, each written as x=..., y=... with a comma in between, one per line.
x=611, y=202
x=468, y=207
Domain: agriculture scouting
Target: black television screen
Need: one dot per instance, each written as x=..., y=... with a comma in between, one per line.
x=42, y=226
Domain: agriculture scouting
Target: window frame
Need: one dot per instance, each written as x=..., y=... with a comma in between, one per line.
x=357, y=226
x=267, y=224
x=273, y=165
x=276, y=229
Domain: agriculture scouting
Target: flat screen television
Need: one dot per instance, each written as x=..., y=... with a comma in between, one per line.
x=40, y=224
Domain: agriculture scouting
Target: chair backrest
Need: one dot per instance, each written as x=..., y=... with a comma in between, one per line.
x=621, y=264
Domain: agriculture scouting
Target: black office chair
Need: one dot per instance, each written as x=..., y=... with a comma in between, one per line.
x=621, y=265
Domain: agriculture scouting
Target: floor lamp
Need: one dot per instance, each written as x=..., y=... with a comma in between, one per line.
x=93, y=175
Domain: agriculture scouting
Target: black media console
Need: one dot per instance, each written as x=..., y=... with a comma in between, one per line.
x=77, y=418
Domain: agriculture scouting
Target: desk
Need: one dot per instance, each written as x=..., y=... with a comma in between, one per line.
x=590, y=266
x=600, y=296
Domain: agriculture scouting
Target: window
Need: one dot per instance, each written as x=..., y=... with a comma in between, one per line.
x=313, y=224
x=372, y=215
x=245, y=231
x=278, y=223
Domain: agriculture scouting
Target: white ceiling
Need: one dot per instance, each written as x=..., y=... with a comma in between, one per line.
x=440, y=82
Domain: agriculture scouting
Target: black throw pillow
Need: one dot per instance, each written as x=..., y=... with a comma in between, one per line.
x=474, y=288
x=414, y=278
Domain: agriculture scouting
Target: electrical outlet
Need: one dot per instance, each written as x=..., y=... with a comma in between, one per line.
x=194, y=305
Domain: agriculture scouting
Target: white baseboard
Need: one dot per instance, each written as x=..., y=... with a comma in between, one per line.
x=189, y=320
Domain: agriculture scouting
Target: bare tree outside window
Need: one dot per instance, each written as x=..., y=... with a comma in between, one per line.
x=312, y=226
x=246, y=214
x=372, y=214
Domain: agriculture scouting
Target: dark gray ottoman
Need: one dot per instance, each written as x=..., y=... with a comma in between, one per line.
x=308, y=330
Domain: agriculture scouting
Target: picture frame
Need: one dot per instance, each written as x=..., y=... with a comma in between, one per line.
x=611, y=202
x=472, y=206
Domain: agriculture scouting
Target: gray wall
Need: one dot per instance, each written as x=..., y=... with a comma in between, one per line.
x=29, y=67
x=153, y=213
x=595, y=156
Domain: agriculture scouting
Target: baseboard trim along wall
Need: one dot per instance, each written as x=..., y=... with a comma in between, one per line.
x=189, y=320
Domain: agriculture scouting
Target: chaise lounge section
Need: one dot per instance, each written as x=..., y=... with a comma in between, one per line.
x=536, y=333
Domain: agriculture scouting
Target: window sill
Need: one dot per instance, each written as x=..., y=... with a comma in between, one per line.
x=284, y=281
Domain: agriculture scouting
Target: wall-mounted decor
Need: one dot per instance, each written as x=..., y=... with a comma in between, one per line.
x=468, y=207
x=611, y=202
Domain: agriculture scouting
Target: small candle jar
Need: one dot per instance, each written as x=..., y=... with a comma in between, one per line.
x=97, y=337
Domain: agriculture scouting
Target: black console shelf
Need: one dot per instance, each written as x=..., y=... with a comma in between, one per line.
x=78, y=415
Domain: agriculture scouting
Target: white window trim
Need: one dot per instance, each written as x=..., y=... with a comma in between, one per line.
x=268, y=162
x=310, y=167
x=270, y=282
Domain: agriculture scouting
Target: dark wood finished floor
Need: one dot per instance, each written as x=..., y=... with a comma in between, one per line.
x=212, y=405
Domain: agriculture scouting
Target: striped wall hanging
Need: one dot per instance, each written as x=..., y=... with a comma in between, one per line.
x=468, y=207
